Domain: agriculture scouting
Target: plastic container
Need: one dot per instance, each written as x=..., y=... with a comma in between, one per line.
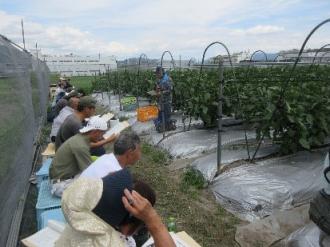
x=147, y=113
x=171, y=225
x=43, y=172
x=53, y=214
x=46, y=201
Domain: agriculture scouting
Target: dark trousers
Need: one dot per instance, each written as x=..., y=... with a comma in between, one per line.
x=167, y=114
x=98, y=151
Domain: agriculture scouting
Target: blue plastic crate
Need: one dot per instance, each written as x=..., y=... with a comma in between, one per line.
x=53, y=214
x=43, y=172
x=46, y=201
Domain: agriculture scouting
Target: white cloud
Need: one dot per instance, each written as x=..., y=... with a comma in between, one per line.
x=74, y=40
x=58, y=39
x=264, y=29
x=129, y=28
x=259, y=29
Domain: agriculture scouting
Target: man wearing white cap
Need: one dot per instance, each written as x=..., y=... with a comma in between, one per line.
x=73, y=156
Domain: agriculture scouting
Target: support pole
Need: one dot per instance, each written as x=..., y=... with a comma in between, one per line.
x=22, y=24
x=220, y=100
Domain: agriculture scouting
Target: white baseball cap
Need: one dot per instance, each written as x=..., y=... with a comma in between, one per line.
x=95, y=123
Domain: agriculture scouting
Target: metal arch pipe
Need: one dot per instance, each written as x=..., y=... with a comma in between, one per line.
x=250, y=60
x=277, y=56
x=211, y=44
x=140, y=58
x=326, y=53
x=320, y=61
x=318, y=51
x=290, y=75
x=119, y=89
x=246, y=78
x=274, y=60
x=190, y=60
x=138, y=74
x=220, y=99
x=172, y=60
x=299, y=55
x=317, y=66
x=257, y=51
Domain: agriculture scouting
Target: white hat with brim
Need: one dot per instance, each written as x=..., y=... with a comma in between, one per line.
x=95, y=123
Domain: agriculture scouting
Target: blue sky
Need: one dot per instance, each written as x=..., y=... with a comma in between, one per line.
x=186, y=27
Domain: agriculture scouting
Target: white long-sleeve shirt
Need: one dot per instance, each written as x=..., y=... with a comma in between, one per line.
x=104, y=165
x=64, y=113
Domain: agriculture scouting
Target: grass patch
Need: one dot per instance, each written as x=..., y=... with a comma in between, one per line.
x=83, y=82
x=191, y=182
x=193, y=178
x=194, y=209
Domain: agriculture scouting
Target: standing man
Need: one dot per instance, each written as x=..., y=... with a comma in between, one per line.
x=164, y=94
x=127, y=151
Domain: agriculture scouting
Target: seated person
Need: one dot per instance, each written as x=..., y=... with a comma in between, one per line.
x=96, y=209
x=73, y=156
x=64, y=101
x=74, y=122
x=126, y=151
x=59, y=90
x=64, y=113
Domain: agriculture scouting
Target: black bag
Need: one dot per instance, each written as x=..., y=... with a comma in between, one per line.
x=319, y=211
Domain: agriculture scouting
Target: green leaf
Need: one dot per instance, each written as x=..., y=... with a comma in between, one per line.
x=288, y=108
x=291, y=119
x=204, y=109
x=304, y=143
x=309, y=118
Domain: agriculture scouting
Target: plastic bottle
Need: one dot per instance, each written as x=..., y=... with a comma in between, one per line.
x=171, y=225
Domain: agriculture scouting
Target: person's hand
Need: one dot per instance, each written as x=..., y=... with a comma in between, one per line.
x=138, y=206
x=111, y=138
x=141, y=208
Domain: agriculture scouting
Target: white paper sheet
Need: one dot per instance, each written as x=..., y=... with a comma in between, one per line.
x=45, y=237
x=116, y=129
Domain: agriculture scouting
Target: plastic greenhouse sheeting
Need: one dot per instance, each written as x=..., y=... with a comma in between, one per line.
x=144, y=128
x=108, y=100
x=273, y=228
x=253, y=191
x=207, y=165
x=197, y=142
x=24, y=83
x=307, y=236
